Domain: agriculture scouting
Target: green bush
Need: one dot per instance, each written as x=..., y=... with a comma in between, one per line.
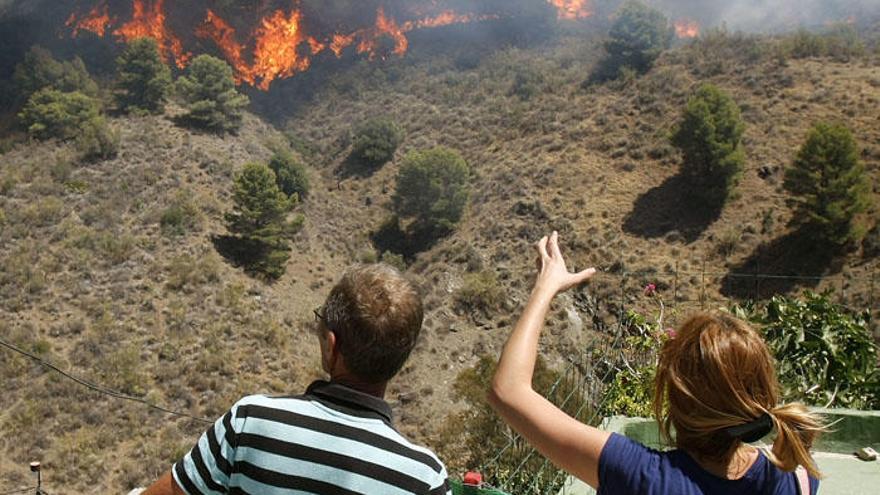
x=181, y=216
x=841, y=43
x=259, y=221
x=825, y=354
x=143, y=81
x=39, y=70
x=710, y=138
x=210, y=95
x=638, y=36
x=51, y=113
x=375, y=142
x=829, y=183
x=477, y=436
x=290, y=174
x=526, y=84
x=481, y=292
x=432, y=189
x=97, y=141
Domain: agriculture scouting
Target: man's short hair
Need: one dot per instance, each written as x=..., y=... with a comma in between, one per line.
x=376, y=315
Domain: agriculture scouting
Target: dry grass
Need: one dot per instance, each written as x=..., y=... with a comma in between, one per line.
x=94, y=279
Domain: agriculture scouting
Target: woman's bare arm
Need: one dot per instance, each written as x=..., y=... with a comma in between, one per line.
x=568, y=443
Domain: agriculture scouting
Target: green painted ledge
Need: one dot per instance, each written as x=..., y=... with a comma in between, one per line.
x=844, y=473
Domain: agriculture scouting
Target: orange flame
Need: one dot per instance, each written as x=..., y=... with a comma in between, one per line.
x=384, y=26
x=151, y=24
x=279, y=40
x=341, y=42
x=572, y=9
x=96, y=21
x=686, y=28
x=223, y=36
x=275, y=54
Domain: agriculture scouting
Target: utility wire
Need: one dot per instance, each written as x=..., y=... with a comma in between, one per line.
x=98, y=388
x=20, y=490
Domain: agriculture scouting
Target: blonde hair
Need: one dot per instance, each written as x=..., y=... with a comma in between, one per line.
x=717, y=373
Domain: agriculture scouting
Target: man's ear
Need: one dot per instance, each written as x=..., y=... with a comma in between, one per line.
x=329, y=352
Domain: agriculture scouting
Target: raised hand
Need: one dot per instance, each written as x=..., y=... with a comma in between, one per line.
x=553, y=276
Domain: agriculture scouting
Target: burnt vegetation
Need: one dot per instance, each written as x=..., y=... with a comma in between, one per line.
x=174, y=249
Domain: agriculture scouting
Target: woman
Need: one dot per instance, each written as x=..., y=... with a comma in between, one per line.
x=715, y=391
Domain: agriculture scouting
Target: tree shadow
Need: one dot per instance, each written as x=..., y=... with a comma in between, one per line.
x=355, y=167
x=256, y=258
x=409, y=241
x=798, y=259
x=670, y=207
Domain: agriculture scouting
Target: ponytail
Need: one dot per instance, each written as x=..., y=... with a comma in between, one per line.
x=796, y=429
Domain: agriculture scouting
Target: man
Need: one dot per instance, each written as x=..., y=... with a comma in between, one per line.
x=337, y=438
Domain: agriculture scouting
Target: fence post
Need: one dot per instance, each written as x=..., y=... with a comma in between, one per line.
x=871, y=295
x=675, y=287
x=703, y=286
x=757, y=276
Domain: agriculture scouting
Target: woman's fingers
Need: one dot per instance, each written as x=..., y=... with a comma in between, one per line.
x=585, y=275
x=541, y=246
x=554, y=245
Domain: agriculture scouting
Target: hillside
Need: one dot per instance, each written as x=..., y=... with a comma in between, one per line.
x=91, y=280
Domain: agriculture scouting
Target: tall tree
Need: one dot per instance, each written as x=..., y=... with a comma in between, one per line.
x=830, y=184
x=259, y=219
x=638, y=36
x=710, y=138
x=143, y=80
x=209, y=91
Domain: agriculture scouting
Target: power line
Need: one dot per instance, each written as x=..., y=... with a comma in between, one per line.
x=99, y=388
x=20, y=490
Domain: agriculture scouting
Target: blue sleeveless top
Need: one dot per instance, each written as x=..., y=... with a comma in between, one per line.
x=627, y=467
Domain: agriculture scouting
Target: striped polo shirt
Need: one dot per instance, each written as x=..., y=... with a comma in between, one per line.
x=332, y=440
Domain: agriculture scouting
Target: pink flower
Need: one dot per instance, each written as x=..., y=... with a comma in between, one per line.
x=670, y=332
x=650, y=289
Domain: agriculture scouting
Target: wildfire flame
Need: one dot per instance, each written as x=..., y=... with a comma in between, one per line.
x=150, y=23
x=686, y=28
x=572, y=9
x=96, y=21
x=280, y=46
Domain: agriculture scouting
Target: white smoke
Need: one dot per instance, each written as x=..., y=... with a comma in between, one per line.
x=772, y=15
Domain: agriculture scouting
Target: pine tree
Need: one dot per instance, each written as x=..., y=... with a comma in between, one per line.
x=259, y=220
x=829, y=182
x=143, y=80
x=290, y=174
x=638, y=36
x=39, y=70
x=209, y=91
x=432, y=189
x=710, y=138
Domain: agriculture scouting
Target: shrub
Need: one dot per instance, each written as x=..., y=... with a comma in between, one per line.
x=830, y=184
x=432, y=189
x=181, y=216
x=825, y=353
x=841, y=43
x=290, y=174
x=526, y=84
x=481, y=293
x=142, y=79
x=259, y=221
x=51, y=113
x=96, y=141
x=638, y=36
x=482, y=439
x=375, y=142
x=39, y=70
x=710, y=138
x=210, y=96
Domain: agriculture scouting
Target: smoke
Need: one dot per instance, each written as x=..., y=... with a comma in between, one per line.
x=771, y=15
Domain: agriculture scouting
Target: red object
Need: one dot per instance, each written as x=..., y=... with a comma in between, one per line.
x=473, y=479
